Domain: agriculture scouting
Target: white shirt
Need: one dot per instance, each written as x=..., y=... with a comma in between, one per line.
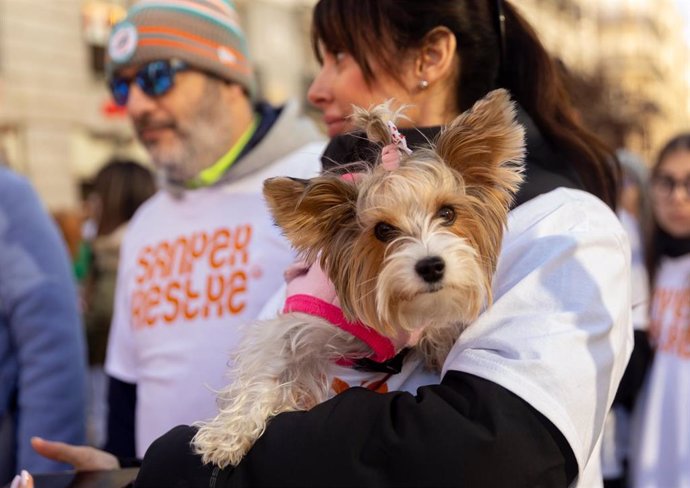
x=661, y=454
x=615, y=449
x=559, y=332
x=191, y=271
x=639, y=277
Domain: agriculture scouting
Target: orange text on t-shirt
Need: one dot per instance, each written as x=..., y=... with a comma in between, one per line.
x=194, y=276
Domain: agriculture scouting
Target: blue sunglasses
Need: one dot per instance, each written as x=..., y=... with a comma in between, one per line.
x=154, y=79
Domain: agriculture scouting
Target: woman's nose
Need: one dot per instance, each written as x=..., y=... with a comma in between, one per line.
x=679, y=193
x=319, y=93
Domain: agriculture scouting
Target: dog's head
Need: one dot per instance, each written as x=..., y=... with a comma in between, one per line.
x=417, y=245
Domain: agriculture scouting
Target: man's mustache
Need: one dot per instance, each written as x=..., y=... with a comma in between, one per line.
x=144, y=124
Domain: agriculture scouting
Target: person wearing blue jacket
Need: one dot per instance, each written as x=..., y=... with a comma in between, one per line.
x=42, y=352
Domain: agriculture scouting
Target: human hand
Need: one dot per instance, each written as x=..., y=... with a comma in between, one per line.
x=23, y=480
x=83, y=458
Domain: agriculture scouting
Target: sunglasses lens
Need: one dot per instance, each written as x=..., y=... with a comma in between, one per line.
x=157, y=78
x=120, y=90
x=154, y=79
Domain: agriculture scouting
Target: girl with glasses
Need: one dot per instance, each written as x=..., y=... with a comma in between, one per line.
x=661, y=456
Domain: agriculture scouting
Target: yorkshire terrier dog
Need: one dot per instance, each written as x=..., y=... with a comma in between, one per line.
x=408, y=248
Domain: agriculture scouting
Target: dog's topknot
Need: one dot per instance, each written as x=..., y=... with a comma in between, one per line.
x=374, y=121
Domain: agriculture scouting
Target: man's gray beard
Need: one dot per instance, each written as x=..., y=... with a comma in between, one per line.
x=169, y=167
x=195, y=158
x=201, y=145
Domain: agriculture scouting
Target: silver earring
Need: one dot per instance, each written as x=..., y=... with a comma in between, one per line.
x=423, y=84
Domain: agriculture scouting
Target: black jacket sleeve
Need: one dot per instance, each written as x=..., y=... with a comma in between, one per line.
x=466, y=431
x=635, y=371
x=122, y=402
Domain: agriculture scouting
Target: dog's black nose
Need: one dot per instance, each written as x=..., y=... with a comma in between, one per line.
x=430, y=269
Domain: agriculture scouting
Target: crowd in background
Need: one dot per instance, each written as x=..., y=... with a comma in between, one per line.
x=132, y=256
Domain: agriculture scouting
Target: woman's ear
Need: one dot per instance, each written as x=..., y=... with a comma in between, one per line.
x=436, y=58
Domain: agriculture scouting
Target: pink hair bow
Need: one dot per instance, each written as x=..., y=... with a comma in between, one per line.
x=390, y=154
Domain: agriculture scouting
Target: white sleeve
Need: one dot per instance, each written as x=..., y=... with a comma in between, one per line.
x=121, y=358
x=639, y=276
x=559, y=332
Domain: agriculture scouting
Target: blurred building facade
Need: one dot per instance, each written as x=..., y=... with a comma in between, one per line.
x=58, y=125
x=56, y=121
x=634, y=56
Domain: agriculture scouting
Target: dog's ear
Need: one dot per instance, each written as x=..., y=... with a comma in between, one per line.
x=312, y=213
x=486, y=145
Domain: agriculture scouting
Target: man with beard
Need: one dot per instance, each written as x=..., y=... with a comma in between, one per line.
x=201, y=257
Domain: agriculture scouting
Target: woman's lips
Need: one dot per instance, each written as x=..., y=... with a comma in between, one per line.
x=335, y=125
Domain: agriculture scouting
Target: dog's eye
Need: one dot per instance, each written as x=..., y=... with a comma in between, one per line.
x=447, y=214
x=385, y=232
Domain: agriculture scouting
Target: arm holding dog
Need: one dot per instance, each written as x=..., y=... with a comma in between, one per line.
x=453, y=431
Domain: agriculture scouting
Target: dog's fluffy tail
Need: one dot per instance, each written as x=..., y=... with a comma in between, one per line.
x=280, y=366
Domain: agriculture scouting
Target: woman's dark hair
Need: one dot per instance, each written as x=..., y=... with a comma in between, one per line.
x=681, y=142
x=122, y=186
x=660, y=239
x=382, y=29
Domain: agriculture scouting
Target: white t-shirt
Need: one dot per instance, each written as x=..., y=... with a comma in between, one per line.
x=615, y=449
x=191, y=271
x=559, y=332
x=661, y=454
x=640, y=279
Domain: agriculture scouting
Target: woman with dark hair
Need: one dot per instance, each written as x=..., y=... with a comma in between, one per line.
x=660, y=454
x=119, y=188
x=387, y=39
x=526, y=388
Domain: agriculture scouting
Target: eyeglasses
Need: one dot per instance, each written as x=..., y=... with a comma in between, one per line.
x=154, y=79
x=665, y=186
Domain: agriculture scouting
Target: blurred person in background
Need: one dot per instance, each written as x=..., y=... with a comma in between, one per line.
x=42, y=355
x=69, y=222
x=89, y=226
x=119, y=188
x=202, y=256
x=634, y=212
x=661, y=457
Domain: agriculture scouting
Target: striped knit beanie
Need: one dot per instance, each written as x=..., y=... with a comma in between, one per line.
x=206, y=34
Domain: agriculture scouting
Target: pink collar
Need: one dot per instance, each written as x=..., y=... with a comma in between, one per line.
x=382, y=346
